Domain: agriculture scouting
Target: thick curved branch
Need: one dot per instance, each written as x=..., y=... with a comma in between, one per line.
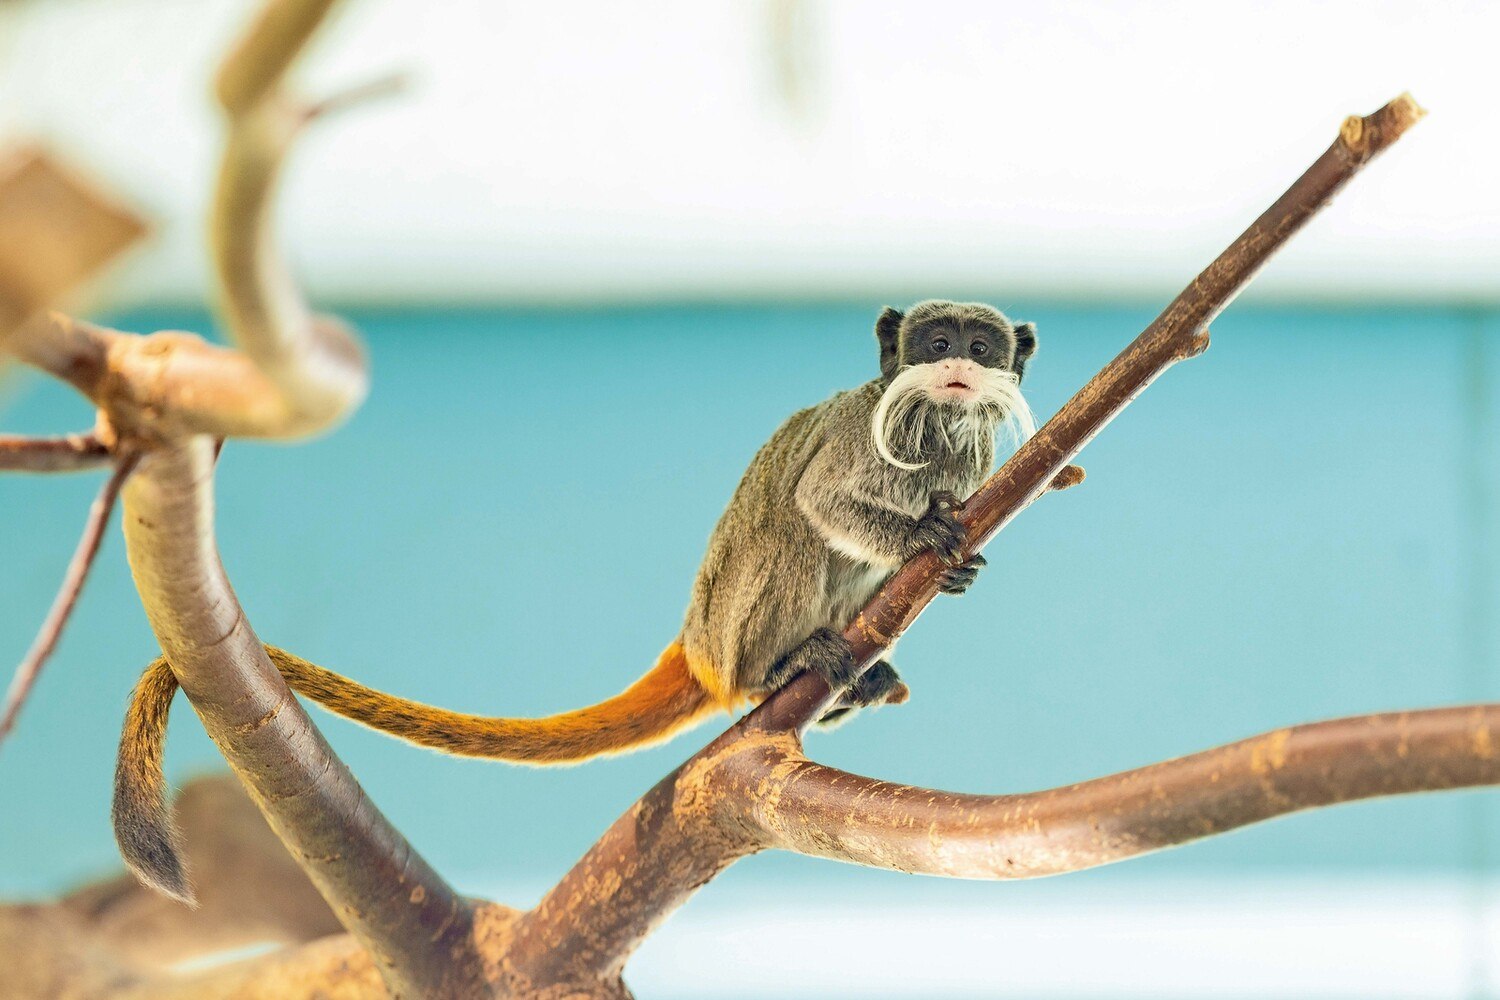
x=295, y=373
x=159, y=387
x=380, y=888
x=68, y=349
x=316, y=364
x=70, y=453
x=677, y=837
x=1180, y=332
x=169, y=396
x=414, y=924
x=812, y=809
x=334, y=966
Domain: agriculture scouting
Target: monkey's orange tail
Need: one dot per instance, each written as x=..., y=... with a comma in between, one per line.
x=663, y=701
x=666, y=699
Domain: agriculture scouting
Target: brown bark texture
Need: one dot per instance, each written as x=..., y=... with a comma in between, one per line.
x=67, y=453
x=356, y=910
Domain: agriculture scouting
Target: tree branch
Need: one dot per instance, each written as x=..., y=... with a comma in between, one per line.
x=30, y=667
x=68, y=349
x=170, y=395
x=71, y=453
x=1179, y=333
x=159, y=387
x=315, y=363
x=411, y=920
x=116, y=939
x=385, y=85
x=821, y=811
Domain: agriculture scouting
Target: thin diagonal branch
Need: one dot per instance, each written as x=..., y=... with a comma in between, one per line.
x=77, y=574
x=70, y=453
x=1179, y=333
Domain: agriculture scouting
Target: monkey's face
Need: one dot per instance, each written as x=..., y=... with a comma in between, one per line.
x=953, y=374
x=960, y=336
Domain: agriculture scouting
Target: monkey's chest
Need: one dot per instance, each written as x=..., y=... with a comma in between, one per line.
x=912, y=492
x=851, y=583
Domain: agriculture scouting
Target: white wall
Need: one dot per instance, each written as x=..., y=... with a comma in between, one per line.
x=552, y=151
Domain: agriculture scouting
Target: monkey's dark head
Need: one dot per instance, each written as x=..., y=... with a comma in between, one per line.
x=936, y=330
x=952, y=373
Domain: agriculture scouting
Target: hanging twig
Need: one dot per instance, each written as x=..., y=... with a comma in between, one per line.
x=293, y=374
x=51, y=631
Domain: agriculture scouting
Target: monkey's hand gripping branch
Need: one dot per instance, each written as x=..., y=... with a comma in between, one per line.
x=168, y=398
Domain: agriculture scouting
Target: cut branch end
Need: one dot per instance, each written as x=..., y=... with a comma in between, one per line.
x=1368, y=136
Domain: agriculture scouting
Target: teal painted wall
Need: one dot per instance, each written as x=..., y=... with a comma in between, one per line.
x=1296, y=525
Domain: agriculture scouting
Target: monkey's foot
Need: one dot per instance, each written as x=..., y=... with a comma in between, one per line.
x=957, y=579
x=826, y=652
x=874, y=685
x=940, y=531
x=880, y=685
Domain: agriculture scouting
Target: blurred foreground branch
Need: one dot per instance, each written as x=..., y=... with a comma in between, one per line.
x=70, y=453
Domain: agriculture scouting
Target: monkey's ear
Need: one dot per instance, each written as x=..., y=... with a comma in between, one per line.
x=887, y=333
x=1025, y=346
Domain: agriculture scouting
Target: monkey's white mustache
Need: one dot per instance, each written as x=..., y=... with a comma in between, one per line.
x=915, y=412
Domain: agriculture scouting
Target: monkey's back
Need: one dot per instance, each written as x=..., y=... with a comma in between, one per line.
x=763, y=583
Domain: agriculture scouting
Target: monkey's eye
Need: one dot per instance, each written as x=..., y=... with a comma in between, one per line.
x=979, y=348
x=940, y=345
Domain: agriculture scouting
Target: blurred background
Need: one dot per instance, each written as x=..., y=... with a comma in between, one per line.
x=600, y=251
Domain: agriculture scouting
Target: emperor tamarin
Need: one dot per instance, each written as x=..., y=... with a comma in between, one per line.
x=839, y=497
